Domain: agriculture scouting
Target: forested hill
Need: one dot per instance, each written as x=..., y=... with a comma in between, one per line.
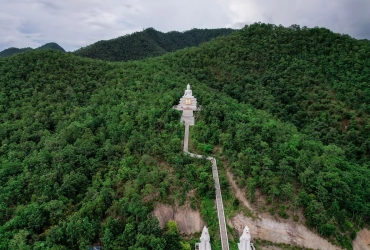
x=148, y=43
x=313, y=78
x=12, y=51
x=89, y=147
x=53, y=46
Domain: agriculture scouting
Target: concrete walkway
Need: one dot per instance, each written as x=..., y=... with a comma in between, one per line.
x=219, y=203
x=186, y=138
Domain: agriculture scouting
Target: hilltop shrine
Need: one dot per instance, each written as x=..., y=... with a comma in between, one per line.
x=188, y=104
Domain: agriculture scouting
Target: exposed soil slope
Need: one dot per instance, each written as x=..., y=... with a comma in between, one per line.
x=362, y=241
x=189, y=221
x=267, y=228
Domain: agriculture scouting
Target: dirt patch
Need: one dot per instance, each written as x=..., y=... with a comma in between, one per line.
x=237, y=191
x=267, y=227
x=359, y=120
x=362, y=241
x=269, y=248
x=279, y=232
x=188, y=220
x=345, y=124
x=217, y=149
x=260, y=201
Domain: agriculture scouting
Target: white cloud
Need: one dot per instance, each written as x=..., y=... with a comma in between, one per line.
x=337, y=15
x=77, y=23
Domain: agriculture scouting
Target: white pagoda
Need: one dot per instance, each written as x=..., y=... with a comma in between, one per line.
x=188, y=104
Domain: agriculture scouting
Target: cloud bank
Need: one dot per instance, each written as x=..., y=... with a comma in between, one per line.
x=77, y=23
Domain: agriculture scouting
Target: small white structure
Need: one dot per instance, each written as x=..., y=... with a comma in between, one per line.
x=188, y=104
x=245, y=240
x=204, y=241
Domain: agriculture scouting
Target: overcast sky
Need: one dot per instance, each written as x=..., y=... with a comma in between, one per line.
x=76, y=23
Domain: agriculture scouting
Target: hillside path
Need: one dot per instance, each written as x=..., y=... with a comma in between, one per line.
x=219, y=203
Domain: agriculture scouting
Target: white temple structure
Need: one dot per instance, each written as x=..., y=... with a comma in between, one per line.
x=245, y=240
x=204, y=241
x=188, y=104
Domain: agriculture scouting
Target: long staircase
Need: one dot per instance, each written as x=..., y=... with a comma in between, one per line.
x=219, y=203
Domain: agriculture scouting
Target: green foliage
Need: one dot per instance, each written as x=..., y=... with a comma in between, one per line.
x=172, y=226
x=209, y=214
x=19, y=241
x=205, y=148
x=88, y=147
x=282, y=212
x=327, y=229
x=53, y=46
x=185, y=246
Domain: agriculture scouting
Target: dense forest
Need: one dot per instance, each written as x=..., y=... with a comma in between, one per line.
x=89, y=147
x=148, y=43
x=13, y=51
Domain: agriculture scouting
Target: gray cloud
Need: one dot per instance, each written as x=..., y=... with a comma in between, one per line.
x=341, y=16
x=77, y=23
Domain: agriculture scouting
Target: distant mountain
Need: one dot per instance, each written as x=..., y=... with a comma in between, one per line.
x=53, y=46
x=12, y=51
x=148, y=43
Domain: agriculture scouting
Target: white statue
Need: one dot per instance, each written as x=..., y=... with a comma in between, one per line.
x=188, y=104
x=245, y=240
x=204, y=240
x=188, y=92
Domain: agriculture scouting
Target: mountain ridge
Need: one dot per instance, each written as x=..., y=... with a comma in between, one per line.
x=12, y=51
x=148, y=43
